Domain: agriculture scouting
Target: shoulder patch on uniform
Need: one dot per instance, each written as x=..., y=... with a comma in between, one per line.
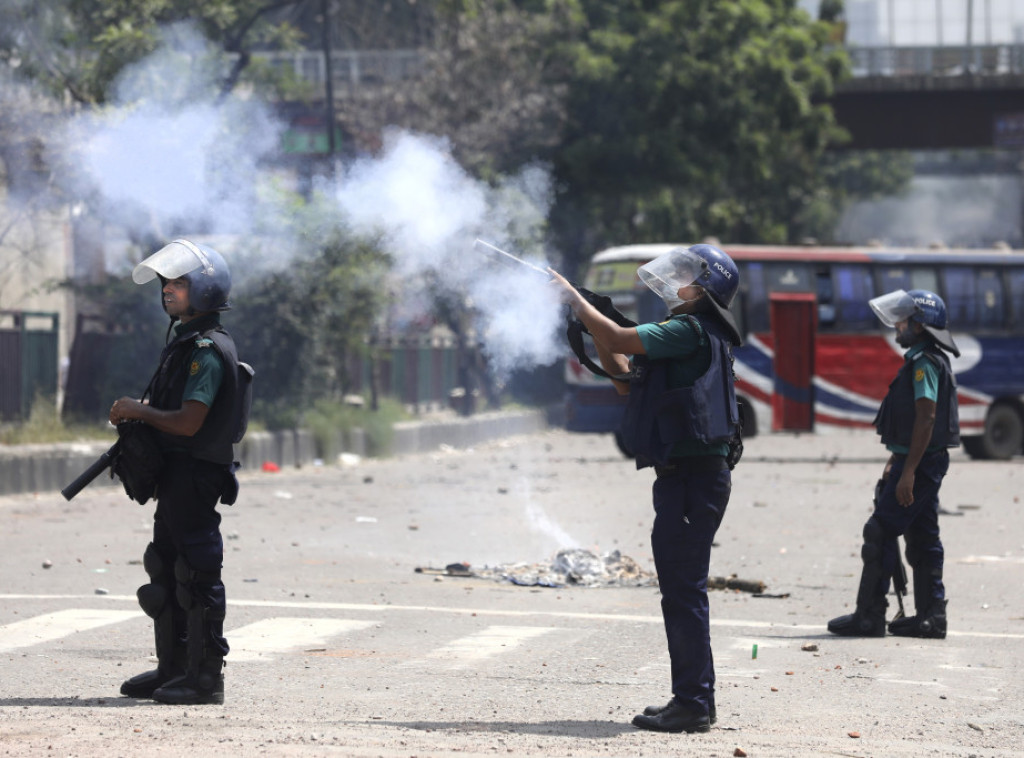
x=919, y=375
x=204, y=342
x=194, y=368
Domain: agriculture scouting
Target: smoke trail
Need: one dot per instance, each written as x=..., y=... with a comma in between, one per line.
x=429, y=211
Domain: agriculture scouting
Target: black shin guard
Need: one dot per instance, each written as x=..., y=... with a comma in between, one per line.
x=203, y=680
x=157, y=600
x=869, y=618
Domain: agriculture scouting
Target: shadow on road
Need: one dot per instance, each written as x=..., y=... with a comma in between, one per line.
x=74, y=702
x=598, y=730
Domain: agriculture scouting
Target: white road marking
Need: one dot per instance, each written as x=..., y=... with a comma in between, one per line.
x=277, y=635
x=621, y=617
x=53, y=626
x=492, y=641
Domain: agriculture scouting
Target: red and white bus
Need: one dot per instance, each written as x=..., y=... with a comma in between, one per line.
x=814, y=355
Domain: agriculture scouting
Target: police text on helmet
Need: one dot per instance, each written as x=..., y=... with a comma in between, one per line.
x=727, y=274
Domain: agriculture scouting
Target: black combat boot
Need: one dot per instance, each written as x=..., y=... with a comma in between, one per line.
x=145, y=684
x=202, y=686
x=654, y=710
x=929, y=625
x=860, y=623
x=674, y=717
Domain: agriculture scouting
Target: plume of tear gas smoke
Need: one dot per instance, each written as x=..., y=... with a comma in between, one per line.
x=957, y=211
x=167, y=153
x=428, y=210
x=539, y=521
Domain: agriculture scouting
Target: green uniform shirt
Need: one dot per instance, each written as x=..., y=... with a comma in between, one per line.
x=205, y=368
x=685, y=344
x=926, y=385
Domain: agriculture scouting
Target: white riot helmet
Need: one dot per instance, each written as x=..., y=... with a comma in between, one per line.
x=206, y=271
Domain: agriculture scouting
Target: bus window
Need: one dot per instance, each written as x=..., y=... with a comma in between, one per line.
x=1015, y=280
x=755, y=305
x=974, y=298
x=991, y=306
x=907, y=278
x=826, y=306
x=852, y=285
x=762, y=279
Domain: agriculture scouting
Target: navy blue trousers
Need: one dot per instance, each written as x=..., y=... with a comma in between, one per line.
x=688, y=509
x=187, y=524
x=918, y=523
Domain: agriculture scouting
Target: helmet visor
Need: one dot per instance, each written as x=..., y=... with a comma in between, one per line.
x=894, y=307
x=171, y=261
x=668, y=273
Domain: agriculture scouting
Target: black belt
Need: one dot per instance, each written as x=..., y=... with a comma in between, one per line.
x=694, y=464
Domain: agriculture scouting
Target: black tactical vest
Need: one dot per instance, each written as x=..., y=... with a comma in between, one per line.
x=656, y=417
x=895, y=418
x=228, y=417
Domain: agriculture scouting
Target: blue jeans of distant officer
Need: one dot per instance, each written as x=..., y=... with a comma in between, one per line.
x=918, y=523
x=187, y=524
x=688, y=510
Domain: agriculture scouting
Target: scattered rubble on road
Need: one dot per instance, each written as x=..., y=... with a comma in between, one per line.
x=574, y=567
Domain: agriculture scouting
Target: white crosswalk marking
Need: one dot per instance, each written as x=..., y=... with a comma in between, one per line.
x=262, y=639
x=492, y=641
x=53, y=626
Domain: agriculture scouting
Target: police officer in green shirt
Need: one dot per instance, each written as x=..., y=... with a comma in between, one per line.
x=918, y=422
x=680, y=418
x=197, y=405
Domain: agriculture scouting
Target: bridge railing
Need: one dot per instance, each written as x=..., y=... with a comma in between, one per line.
x=946, y=60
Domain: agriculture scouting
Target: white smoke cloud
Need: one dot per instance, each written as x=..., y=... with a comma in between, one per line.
x=429, y=211
x=166, y=149
x=169, y=153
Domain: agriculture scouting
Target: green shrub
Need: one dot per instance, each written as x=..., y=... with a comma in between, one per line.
x=44, y=426
x=332, y=421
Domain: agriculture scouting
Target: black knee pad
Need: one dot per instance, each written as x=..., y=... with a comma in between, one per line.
x=152, y=599
x=154, y=565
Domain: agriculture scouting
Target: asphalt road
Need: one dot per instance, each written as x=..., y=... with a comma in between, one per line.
x=339, y=647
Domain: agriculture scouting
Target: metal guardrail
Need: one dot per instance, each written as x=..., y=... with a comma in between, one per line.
x=354, y=68
x=947, y=60
x=350, y=68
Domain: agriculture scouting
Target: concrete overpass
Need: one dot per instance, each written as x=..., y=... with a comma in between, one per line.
x=909, y=98
x=925, y=98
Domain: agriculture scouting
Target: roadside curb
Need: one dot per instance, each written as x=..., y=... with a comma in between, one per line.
x=45, y=468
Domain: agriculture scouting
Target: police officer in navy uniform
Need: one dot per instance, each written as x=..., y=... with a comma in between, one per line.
x=918, y=422
x=681, y=415
x=197, y=405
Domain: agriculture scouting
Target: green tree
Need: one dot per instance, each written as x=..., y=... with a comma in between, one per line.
x=696, y=118
x=76, y=49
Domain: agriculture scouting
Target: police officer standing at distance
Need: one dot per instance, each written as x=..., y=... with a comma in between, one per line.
x=918, y=421
x=197, y=405
x=680, y=417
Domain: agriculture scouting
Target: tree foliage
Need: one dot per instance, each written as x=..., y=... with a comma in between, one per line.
x=697, y=118
x=76, y=49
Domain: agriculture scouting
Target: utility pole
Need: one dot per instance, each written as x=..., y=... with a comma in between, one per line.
x=328, y=84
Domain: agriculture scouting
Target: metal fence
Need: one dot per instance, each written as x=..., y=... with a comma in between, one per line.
x=28, y=360
x=945, y=60
x=349, y=68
